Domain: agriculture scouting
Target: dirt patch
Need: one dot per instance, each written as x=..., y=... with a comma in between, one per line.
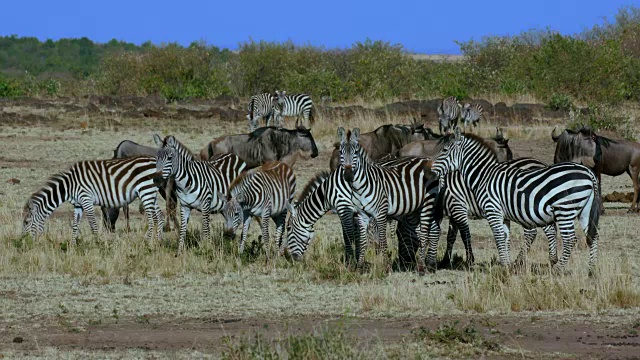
x=616, y=196
x=537, y=336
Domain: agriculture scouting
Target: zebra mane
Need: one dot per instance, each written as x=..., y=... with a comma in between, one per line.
x=180, y=148
x=248, y=174
x=313, y=184
x=53, y=185
x=447, y=139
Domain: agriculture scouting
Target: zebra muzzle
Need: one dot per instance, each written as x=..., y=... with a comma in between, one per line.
x=229, y=234
x=348, y=173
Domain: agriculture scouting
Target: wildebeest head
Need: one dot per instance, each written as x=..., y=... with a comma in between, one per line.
x=502, y=149
x=305, y=141
x=579, y=146
x=349, y=148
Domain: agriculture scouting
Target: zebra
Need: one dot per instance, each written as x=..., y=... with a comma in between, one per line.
x=112, y=183
x=533, y=198
x=388, y=192
x=471, y=114
x=264, y=192
x=460, y=204
x=449, y=113
x=294, y=105
x=198, y=183
x=262, y=106
x=327, y=191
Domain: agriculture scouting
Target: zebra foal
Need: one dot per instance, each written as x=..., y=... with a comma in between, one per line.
x=264, y=192
x=110, y=183
x=533, y=198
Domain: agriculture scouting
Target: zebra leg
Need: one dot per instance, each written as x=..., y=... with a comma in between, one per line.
x=125, y=210
x=206, y=220
x=159, y=218
x=265, y=233
x=431, y=240
x=280, y=222
x=185, y=213
x=245, y=233
x=568, y=233
x=171, y=199
x=381, y=232
x=349, y=235
x=529, y=237
x=451, y=239
x=87, y=207
x=496, y=221
x=550, y=232
x=363, y=222
x=77, y=216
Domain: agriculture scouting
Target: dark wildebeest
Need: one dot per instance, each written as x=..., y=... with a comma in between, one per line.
x=128, y=148
x=602, y=155
x=429, y=148
x=385, y=141
x=263, y=145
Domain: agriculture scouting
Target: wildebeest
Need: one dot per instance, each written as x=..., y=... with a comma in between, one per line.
x=601, y=154
x=429, y=148
x=128, y=148
x=387, y=140
x=263, y=145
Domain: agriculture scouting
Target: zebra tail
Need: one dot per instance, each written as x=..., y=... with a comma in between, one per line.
x=312, y=118
x=210, y=150
x=594, y=214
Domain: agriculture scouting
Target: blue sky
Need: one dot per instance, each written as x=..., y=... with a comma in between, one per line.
x=421, y=26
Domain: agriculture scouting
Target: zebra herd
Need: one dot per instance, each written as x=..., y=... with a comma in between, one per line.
x=465, y=178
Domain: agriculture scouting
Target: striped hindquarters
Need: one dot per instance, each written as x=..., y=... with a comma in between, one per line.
x=471, y=113
x=274, y=182
x=296, y=105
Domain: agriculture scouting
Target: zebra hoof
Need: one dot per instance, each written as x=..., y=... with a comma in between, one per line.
x=559, y=270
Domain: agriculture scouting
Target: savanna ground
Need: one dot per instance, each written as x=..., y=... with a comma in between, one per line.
x=116, y=296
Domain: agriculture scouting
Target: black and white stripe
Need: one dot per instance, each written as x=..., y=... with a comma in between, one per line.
x=110, y=183
x=471, y=114
x=298, y=105
x=198, y=183
x=388, y=192
x=329, y=191
x=460, y=204
x=262, y=106
x=265, y=192
x=533, y=198
x=449, y=113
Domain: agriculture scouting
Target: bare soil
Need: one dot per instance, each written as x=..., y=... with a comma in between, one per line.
x=536, y=336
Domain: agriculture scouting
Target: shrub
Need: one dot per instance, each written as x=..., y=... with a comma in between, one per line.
x=9, y=88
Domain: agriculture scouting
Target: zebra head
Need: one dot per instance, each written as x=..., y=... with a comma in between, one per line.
x=33, y=216
x=232, y=213
x=349, y=152
x=450, y=154
x=164, y=163
x=443, y=118
x=299, y=234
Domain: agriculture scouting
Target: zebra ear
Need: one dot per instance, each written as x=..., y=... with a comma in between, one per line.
x=355, y=135
x=342, y=135
x=157, y=139
x=457, y=134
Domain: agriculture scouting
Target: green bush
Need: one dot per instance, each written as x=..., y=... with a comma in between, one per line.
x=9, y=88
x=559, y=102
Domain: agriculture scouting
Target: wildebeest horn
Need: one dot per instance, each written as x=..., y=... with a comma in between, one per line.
x=553, y=135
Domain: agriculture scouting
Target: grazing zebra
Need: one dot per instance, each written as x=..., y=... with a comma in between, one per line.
x=388, y=192
x=198, y=183
x=262, y=106
x=533, y=198
x=265, y=192
x=294, y=105
x=111, y=183
x=471, y=114
x=449, y=113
